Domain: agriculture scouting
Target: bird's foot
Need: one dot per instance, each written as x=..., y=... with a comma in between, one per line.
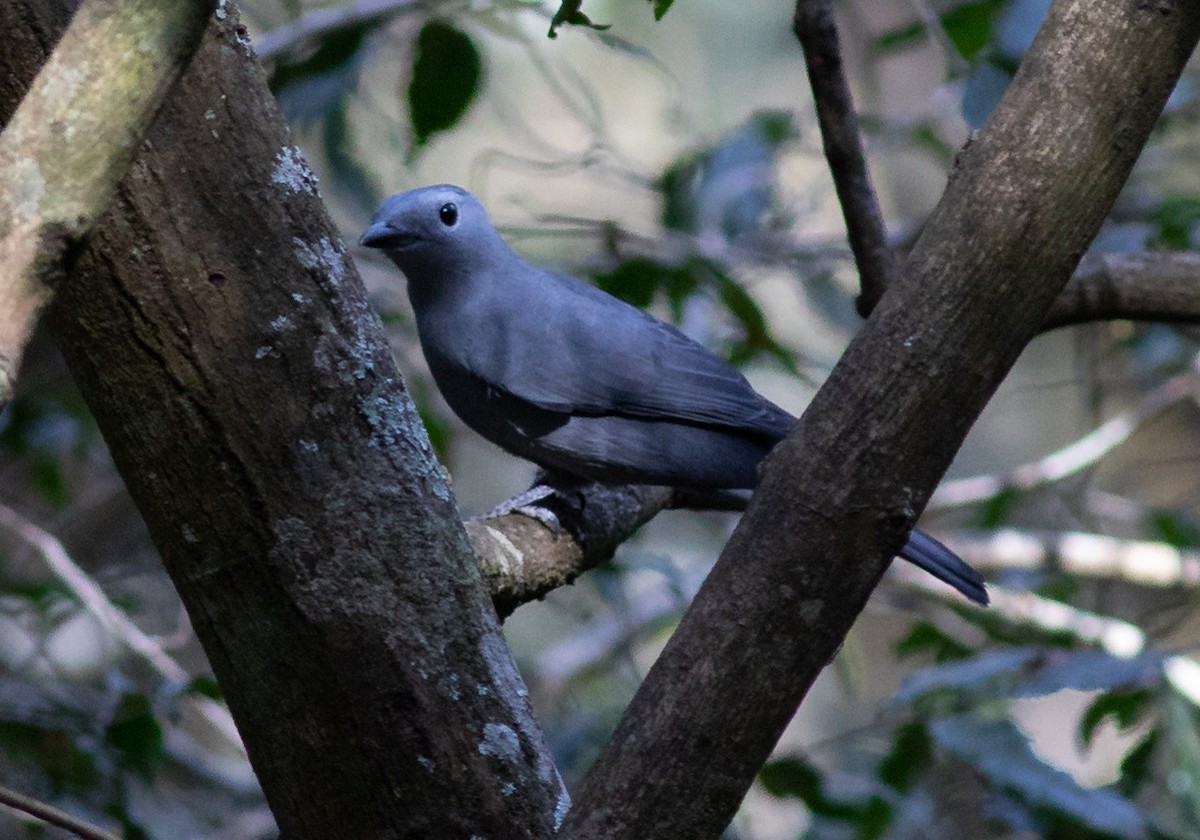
x=523, y=503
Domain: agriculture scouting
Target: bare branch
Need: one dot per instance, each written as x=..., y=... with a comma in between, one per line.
x=52, y=816
x=1080, y=455
x=72, y=139
x=814, y=27
x=112, y=619
x=317, y=24
x=1139, y=562
x=1117, y=637
x=1163, y=287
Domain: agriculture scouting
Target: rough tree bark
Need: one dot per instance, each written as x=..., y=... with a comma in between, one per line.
x=63, y=152
x=244, y=385
x=1023, y=202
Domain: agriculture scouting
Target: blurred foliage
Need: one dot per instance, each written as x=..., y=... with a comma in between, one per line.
x=948, y=753
x=445, y=78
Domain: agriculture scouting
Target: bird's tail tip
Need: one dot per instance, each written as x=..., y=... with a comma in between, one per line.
x=924, y=552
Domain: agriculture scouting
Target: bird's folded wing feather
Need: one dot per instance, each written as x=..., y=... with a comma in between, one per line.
x=601, y=356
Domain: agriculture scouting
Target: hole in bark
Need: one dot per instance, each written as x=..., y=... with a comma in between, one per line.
x=217, y=279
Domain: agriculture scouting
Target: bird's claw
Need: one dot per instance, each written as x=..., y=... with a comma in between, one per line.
x=523, y=503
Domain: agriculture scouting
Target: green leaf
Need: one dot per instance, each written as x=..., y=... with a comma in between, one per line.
x=758, y=339
x=874, y=820
x=136, y=735
x=910, y=754
x=50, y=480
x=1175, y=529
x=901, y=37
x=1176, y=217
x=1137, y=764
x=569, y=13
x=1001, y=628
x=791, y=778
x=636, y=281
x=660, y=8
x=53, y=751
x=205, y=686
x=1126, y=707
x=445, y=80
x=928, y=637
x=678, y=188
x=336, y=53
x=969, y=27
x=997, y=510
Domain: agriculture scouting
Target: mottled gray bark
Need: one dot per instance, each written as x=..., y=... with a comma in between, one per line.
x=227, y=348
x=837, y=496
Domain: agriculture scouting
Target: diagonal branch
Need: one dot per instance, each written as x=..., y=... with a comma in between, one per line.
x=52, y=816
x=318, y=24
x=814, y=26
x=72, y=139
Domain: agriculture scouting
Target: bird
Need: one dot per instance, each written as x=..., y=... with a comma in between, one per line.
x=561, y=373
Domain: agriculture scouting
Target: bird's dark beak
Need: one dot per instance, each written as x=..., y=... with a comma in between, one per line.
x=382, y=235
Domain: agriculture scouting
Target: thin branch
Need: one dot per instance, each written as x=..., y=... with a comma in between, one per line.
x=1163, y=287
x=814, y=27
x=1139, y=562
x=523, y=558
x=112, y=619
x=71, y=140
x=1069, y=460
x=1117, y=637
x=319, y=24
x=52, y=816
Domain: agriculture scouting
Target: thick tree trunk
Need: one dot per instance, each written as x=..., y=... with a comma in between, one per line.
x=227, y=348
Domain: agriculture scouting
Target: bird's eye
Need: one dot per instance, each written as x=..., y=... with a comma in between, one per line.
x=448, y=214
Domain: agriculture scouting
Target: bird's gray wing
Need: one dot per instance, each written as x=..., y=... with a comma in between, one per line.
x=598, y=355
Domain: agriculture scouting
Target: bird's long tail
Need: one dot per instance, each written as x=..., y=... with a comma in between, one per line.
x=924, y=552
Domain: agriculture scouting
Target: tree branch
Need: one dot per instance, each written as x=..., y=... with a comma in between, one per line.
x=814, y=26
x=52, y=816
x=255, y=413
x=317, y=24
x=72, y=139
x=1163, y=287
x=838, y=495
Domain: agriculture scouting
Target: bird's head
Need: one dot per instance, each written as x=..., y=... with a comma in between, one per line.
x=435, y=232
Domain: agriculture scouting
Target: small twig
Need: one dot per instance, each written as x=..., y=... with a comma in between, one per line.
x=1067, y=461
x=321, y=23
x=814, y=27
x=1117, y=637
x=53, y=816
x=1140, y=562
x=112, y=619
